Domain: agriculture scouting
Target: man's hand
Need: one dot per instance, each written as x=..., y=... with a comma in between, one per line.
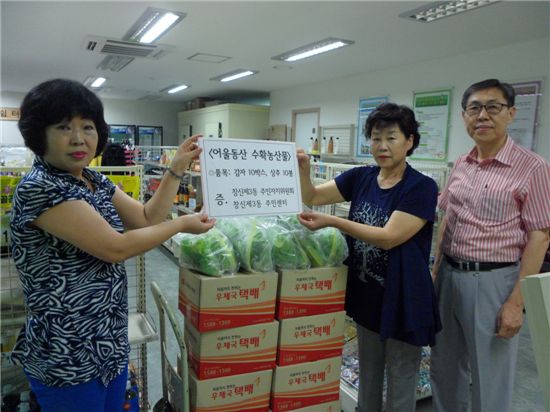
x=509, y=320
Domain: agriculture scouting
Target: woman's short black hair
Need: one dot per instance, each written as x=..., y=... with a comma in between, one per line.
x=389, y=114
x=507, y=91
x=52, y=102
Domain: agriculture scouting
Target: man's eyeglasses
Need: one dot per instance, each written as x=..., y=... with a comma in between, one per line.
x=491, y=108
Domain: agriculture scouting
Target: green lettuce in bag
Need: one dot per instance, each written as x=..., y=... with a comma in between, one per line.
x=324, y=247
x=250, y=241
x=286, y=250
x=210, y=253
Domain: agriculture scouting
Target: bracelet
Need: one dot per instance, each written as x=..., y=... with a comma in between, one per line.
x=180, y=177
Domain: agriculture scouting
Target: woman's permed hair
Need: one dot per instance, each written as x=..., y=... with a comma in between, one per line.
x=389, y=114
x=54, y=101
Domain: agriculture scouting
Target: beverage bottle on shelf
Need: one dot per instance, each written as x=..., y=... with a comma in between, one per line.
x=181, y=192
x=337, y=145
x=324, y=145
x=315, y=146
x=199, y=207
x=330, y=147
x=220, y=134
x=185, y=196
x=192, y=197
x=310, y=148
x=177, y=196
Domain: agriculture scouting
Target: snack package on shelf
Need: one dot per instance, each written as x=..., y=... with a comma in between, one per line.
x=210, y=253
x=250, y=241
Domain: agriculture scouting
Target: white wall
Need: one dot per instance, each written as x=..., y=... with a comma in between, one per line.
x=116, y=112
x=339, y=98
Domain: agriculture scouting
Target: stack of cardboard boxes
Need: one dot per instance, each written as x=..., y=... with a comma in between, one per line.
x=243, y=360
x=310, y=308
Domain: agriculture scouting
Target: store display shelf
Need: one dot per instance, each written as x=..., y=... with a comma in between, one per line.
x=141, y=329
x=184, y=209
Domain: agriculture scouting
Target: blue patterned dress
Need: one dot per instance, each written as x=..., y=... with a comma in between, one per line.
x=77, y=324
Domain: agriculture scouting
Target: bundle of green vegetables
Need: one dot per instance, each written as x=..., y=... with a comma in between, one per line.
x=324, y=247
x=250, y=241
x=286, y=250
x=210, y=253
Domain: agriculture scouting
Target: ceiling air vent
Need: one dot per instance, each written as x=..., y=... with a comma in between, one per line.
x=115, y=47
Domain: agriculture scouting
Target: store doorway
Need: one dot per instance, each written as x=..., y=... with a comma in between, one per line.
x=305, y=125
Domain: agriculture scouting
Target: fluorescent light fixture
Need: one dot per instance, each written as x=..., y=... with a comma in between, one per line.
x=177, y=89
x=234, y=75
x=152, y=24
x=441, y=9
x=98, y=82
x=94, y=81
x=313, y=49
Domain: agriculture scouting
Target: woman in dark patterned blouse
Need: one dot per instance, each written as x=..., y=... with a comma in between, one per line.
x=72, y=229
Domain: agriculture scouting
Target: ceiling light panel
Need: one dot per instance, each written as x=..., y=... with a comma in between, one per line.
x=94, y=82
x=313, y=49
x=174, y=88
x=153, y=24
x=234, y=75
x=441, y=9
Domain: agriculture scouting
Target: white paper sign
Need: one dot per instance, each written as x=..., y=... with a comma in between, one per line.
x=242, y=177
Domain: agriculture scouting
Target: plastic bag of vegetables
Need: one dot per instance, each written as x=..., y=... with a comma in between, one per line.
x=250, y=241
x=286, y=250
x=324, y=247
x=210, y=253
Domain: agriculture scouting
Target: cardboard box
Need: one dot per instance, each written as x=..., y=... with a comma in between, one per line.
x=310, y=338
x=211, y=303
x=239, y=393
x=232, y=351
x=305, y=384
x=311, y=292
x=324, y=407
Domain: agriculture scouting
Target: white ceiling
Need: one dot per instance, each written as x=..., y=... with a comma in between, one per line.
x=43, y=40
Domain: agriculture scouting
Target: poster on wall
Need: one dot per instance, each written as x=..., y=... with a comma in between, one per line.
x=523, y=128
x=366, y=106
x=432, y=111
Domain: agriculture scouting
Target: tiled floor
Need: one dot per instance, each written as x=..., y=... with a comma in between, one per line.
x=159, y=267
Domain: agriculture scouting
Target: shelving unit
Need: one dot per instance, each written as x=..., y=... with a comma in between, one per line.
x=344, y=134
x=140, y=324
